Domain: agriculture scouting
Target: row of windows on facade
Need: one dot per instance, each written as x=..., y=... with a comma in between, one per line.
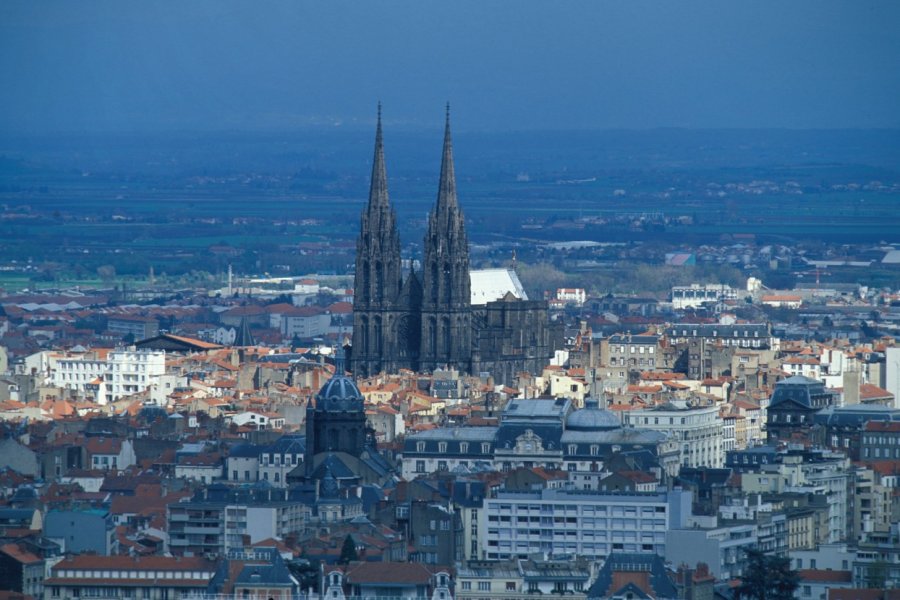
x=463, y=447
x=131, y=574
x=587, y=509
x=631, y=362
x=715, y=333
x=559, y=587
x=276, y=477
x=645, y=522
x=880, y=439
x=523, y=549
x=881, y=453
x=276, y=459
x=636, y=349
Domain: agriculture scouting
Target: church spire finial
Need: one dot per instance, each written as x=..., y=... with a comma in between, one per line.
x=447, y=186
x=378, y=193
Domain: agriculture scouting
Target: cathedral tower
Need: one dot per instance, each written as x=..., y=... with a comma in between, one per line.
x=446, y=322
x=377, y=282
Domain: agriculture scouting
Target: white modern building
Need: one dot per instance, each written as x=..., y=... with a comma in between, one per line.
x=695, y=295
x=578, y=522
x=131, y=371
x=698, y=429
x=109, y=376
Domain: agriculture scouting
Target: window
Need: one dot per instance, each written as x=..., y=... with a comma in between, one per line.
x=484, y=586
x=464, y=447
x=467, y=585
x=420, y=466
x=420, y=446
x=442, y=447
x=485, y=447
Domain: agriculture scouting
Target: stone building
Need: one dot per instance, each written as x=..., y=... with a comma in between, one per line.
x=438, y=317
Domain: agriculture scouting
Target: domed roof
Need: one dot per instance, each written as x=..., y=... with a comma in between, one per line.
x=339, y=394
x=592, y=418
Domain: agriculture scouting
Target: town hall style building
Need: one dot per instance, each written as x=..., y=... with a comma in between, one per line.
x=445, y=315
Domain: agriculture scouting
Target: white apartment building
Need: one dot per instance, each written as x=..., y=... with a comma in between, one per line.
x=578, y=522
x=576, y=296
x=132, y=371
x=695, y=295
x=80, y=372
x=107, y=378
x=698, y=429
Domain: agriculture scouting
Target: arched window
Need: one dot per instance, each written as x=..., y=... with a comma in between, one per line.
x=432, y=336
x=377, y=334
x=333, y=441
x=447, y=282
x=435, y=282
x=379, y=281
x=446, y=333
x=366, y=282
x=364, y=334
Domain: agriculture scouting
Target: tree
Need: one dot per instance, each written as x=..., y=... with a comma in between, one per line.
x=106, y=273
x=767, y=577
x=348, y=551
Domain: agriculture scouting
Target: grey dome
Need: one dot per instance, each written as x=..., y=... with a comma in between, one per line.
x=339, y=394
x=592, y=418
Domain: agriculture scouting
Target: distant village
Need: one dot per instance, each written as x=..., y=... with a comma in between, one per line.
x=205, y=444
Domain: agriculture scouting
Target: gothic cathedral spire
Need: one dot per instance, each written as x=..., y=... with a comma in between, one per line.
x=446, y=296
x=377, y=280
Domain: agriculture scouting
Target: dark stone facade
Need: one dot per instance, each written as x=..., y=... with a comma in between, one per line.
x=423, y=321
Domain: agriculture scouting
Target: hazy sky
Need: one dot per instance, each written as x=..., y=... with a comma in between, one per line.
x=523, y=64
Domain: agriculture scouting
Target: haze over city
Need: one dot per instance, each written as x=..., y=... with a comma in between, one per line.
x=449, y=301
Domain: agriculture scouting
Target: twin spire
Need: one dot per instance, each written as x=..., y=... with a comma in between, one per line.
x=378, y=192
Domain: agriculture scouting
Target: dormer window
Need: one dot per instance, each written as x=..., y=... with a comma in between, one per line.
x=442, y=447
x=420, y=446
x=464, y=447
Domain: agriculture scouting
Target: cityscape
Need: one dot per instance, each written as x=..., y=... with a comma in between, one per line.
x=411, y=348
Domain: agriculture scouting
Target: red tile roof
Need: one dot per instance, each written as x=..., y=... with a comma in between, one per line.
x=823, y=575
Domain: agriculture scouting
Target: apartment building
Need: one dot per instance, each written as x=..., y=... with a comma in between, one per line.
x=579, y=522
x=144, y=578
x=698, y=429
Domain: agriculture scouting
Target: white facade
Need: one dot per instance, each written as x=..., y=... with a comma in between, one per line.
x=699, y=430
x=76, y=372
x=575, y=296
x=587, y=524
x=695, y=295
x=121, y=373
x=306, y=326
x=892, y=370
x=132, y=371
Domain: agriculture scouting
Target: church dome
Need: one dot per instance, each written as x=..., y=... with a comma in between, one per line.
x=339, y=394
x=592, y=418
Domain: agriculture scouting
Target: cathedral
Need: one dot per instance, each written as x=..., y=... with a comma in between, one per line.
x=445, y=316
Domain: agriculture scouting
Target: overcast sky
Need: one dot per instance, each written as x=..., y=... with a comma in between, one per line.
x=504, y=65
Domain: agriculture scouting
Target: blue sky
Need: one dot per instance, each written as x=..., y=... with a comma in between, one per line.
x=212, y=65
